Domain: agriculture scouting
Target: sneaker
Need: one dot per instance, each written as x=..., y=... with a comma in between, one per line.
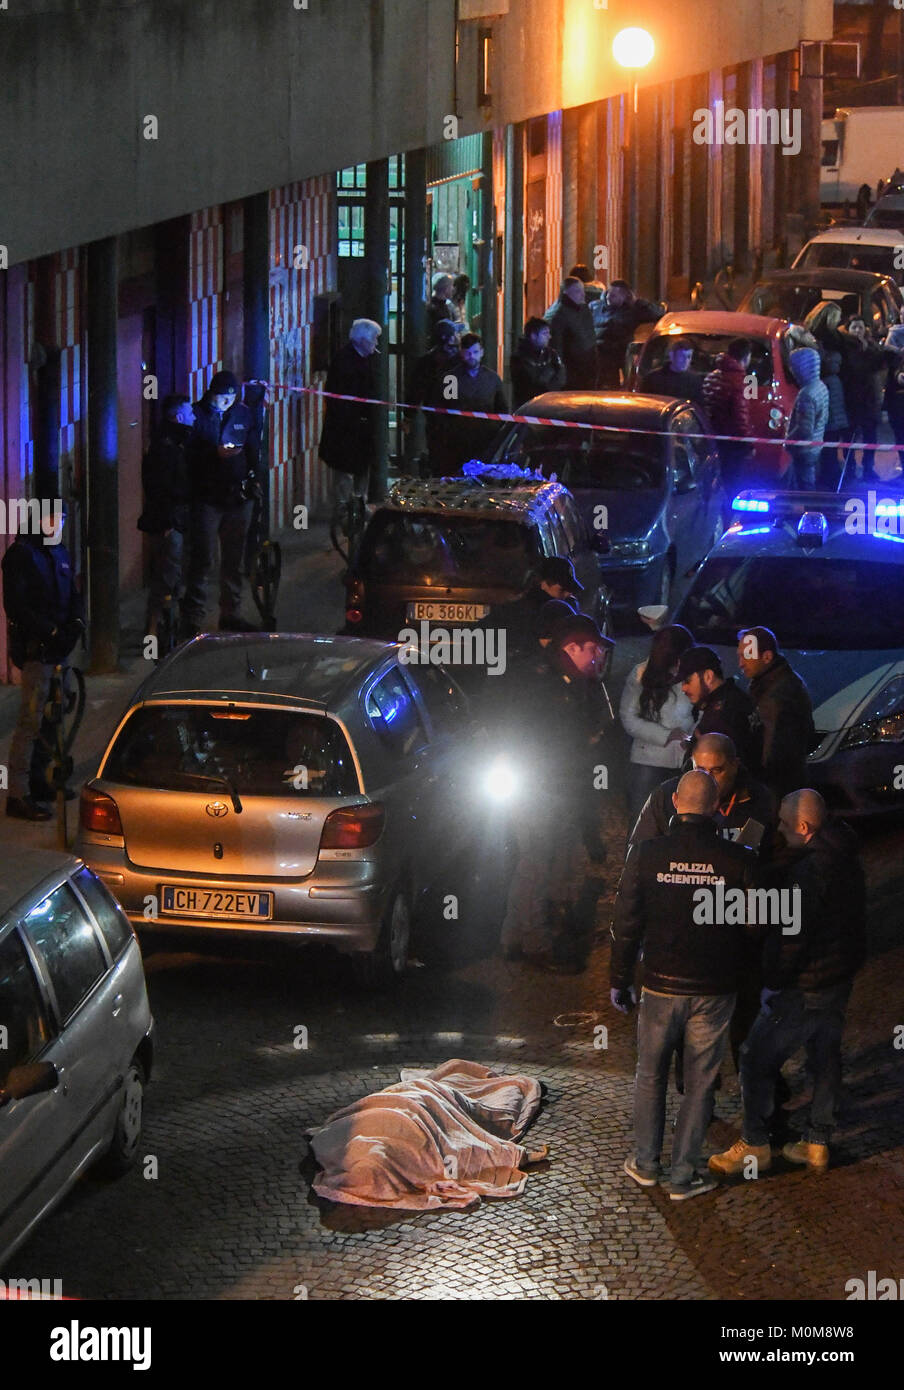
x=733, y=1159
x=643, y=1179
x=24, y=808
x=813, y=1155
x=695, y=1188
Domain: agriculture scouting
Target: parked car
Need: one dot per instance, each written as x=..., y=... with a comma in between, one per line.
x=854, y=248
x=451, y=550
x=887, y=212
x=835, y=601
x=710, y=331
x=78, y=1036
x=793, y=294
x=286, y=786
x=661, y=491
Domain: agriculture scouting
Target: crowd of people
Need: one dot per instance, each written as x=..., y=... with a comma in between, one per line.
x=716, y=789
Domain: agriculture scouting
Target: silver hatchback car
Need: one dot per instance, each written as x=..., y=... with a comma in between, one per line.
x=76, y=1036
x=284, y=785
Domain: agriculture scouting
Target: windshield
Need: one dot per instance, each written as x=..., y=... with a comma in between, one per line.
x=261, y=752
x=852, y=256
x=795, y=302
x=707, y=347
x=588, y=458
x=448, y=551
x=828, y=605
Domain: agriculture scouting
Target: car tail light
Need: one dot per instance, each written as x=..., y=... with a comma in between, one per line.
x=354, y=601
x=353, y=827
x=99, y=813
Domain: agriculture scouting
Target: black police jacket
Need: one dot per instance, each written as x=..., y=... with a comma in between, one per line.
x=656, y=909
x=166, y=479
x=784, y=713
x=831, y=944
x=729, y=710
x=219, y=479
x=42, y=603
x=750, y=801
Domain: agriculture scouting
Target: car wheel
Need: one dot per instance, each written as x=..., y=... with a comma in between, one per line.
x=123, y=1150
x=386, y=964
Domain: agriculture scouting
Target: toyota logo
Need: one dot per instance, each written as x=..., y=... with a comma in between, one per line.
x=217, y=808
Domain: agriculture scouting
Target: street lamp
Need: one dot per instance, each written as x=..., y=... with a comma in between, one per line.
x=633, y=48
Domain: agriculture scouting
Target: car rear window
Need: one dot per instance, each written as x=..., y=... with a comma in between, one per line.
x=459, y=552
x=259, y=752
x=587, y=458
x=707, y=347
x=828, y=605
x=795, y=302
x=851, y=255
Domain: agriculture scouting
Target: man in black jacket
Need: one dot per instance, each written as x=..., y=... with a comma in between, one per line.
x=573, y=335
x=674, y=378
x=720, y=705
x=45, y=615
x=784, y=713
x=166, y=479
x=431, y=379
x=671, y=903
x=745, y=805
x=616, y=318
x=808, y=975
x=224, y=462
x=476, y=387
x=536, y=367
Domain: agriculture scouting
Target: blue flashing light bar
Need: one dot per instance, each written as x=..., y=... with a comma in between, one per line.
x=749, y=504
x=888, y=508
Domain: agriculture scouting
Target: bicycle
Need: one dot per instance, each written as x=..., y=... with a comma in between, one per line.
x=266, y=572
x=349, y=518
x=63, y=714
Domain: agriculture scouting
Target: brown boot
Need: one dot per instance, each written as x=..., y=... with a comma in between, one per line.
x=815, y=1156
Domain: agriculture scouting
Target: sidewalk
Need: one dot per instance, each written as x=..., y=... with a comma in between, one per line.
x=310, y=599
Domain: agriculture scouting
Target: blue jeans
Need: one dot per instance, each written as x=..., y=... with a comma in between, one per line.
x=663, y=1020
x=791, y=1020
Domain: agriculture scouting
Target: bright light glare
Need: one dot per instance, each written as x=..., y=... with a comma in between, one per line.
x=632, y=48
x=500, y=782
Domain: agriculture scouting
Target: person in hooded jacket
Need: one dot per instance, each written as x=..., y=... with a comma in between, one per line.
x=225, y=451
x=166, y=479
x=808, y=419
x=536, y=367
x=725, y=402
x=46, y=619
x=808, y=975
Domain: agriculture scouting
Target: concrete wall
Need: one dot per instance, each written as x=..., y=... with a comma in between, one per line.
x=253, y=94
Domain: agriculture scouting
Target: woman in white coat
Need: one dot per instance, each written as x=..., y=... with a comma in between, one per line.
x=657, y=716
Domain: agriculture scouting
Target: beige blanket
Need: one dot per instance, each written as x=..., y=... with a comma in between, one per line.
x=442, y=1138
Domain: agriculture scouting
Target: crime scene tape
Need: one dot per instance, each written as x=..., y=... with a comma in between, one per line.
x=780, y=443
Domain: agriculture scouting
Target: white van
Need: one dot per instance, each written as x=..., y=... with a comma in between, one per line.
x=859, y=145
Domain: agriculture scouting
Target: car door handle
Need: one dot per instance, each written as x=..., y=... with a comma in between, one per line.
x=117, y=1005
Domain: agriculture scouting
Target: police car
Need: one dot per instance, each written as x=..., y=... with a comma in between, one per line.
x=825, y=572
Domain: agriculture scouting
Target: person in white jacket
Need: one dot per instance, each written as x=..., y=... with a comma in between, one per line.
x=657, y=716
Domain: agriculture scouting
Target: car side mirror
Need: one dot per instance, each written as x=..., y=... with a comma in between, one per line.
x=32, y=1079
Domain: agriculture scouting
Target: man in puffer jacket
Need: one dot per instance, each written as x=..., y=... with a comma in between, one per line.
x=808, y=975
x=725, y=400
x=808, y=419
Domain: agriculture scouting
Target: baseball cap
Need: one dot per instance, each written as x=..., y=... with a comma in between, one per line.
x=558, y=569
x=580, y=627
x=221, y=383
x=765, y=638
x=552, y=615
x=697, y=659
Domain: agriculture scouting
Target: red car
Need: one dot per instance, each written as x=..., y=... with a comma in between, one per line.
x=710, y=332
